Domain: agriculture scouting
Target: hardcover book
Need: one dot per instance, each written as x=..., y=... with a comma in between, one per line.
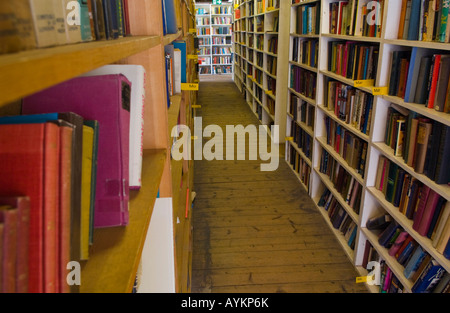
x=107, y=100
x=136, y=75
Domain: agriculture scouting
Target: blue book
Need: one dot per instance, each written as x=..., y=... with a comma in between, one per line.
x=447, y=250
x=429, y=278
x=406, y=253
x=414, y=20
x=169, y=17
x=414, y=262
x=180, y=44
x=28, y=119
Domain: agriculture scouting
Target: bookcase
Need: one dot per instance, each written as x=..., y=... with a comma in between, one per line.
x=214, y=33
x=259, y=29
x=353, y=90
x=115, y=256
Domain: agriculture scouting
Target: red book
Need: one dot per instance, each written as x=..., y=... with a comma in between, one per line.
x=65, y=201
x=436, y=67
x=428, y=212
x=403, y=246
x=22, y=204
x=8, y=217
x=24, y=159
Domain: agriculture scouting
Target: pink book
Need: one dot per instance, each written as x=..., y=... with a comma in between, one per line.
x=428, y=212
x=22, y=204
x=106, y=99
x=398, y=243
x=423, y=198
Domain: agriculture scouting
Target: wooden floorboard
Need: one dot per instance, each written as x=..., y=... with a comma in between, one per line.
x=255, y=231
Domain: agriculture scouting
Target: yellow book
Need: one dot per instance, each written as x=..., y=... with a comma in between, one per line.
x=86, y=175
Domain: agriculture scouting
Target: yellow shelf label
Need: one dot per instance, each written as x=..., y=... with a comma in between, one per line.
x=196, y=106
x=192, y=57
x=189, y=86
x=289, y=138
x=270, y=8
x=192, y=30
x=363, y=83
x=249, y=76
x=379, y=91
x=268, y=92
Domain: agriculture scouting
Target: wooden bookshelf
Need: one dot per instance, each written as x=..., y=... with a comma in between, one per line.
x=116, y=252
x=385, y=39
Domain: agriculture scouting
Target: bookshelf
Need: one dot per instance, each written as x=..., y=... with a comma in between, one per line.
x=115, y=256
x=214, y=32
x=259, y=28
x=318, y=128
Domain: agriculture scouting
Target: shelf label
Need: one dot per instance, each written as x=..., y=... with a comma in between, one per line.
x=192, y=30
x=196, y=81
x=379, y=91
x=268, y=92
x=249, y=76
x=289, y=138
x=270, y=8
x=189, y=86
x=196, y=106
x=192, y=57
x=363, y=83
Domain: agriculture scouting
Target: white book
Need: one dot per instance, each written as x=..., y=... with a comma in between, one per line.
x=136, y=75
x=177, y=70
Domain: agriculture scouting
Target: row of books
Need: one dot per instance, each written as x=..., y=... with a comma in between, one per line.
x=204, y=41
x=339, y=217
x=260, y=24
x=424, y=144
x=303, y=81
x=344, y=183
x=303, y=140
x=203, y=21
x=221, y=50
x=349, y=104
x=421, y=76
x=305, y=51
x=221, y=9
x=203, y=31
x=76, y=158
x=357, y=61
x=222, y=69
x=258, y=76
x=31, y=24
x=272, y=85
x=431, y=277
x=356, y=17
x=407, y=252
x=424, y=20
x=176, y=59
x=416, y=201
x=299, y=165
x=272, y=65
x=301, y=111
x=220, y=41
x=221, y=31
x=272, y=45
x=220, y=20
x=349, y=146
x=308, y=17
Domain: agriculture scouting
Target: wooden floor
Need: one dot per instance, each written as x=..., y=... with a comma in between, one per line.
x=254, y=231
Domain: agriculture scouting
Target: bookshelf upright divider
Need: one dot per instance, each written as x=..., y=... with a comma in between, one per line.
x=339, y=109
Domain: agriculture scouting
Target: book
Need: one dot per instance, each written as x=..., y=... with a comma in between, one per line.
x=422, y=80
x=423, y=133
x=35, y=146
x=181, y=45
x=112, y=191
x=22, y=204
x=421, y=204
x=85, y=21
x=442, y=83
x=9, y=219
x=427, y=215
x=442, y=169
x=169, y=17
x=379, y=222
x=99, y=19
x=86, y=176
x=387, y=234
x=44, y=21
x=136, y=75
x=16, y=36
x=398, y=243
x=429, y=279
x=441, y=224
x=414, y=262
x=71, y=14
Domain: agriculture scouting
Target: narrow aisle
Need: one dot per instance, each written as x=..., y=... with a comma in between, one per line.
x=256, y=231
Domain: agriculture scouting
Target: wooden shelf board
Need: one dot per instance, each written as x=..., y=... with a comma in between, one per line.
x=171, y=37
x=116, y=252
x=27, y=72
